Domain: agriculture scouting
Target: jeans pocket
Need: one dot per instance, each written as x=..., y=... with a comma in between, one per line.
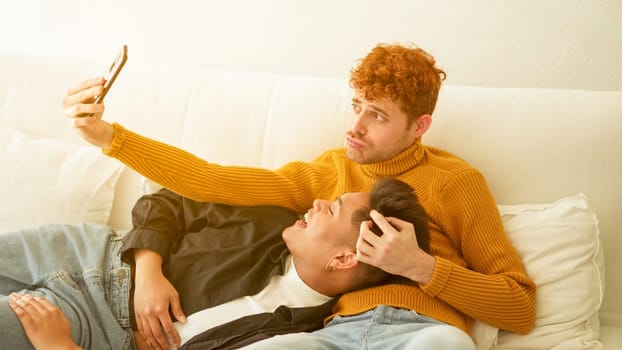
x=118, y=294
x=68, y=280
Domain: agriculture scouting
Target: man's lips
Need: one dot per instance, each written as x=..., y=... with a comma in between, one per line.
x=354, y=143
x=305, y=220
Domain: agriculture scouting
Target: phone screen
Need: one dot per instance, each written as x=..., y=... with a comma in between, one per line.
x=113, y=72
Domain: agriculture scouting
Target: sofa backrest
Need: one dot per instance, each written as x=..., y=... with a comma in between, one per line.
x=533, y=145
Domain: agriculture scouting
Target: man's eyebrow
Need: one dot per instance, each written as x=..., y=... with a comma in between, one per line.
x=371, y=106
x=378, y=109
x=339, y=204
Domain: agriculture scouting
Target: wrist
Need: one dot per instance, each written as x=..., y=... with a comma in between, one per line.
x=147, y=261
x=424, y=269
x=107, y=136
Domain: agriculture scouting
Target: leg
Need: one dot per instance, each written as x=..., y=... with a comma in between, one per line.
x=342, y=333
x=309, y=341
x=440, y=337
x=394, y=328
x=76, y=268
x=30, y=256
x=383, y=328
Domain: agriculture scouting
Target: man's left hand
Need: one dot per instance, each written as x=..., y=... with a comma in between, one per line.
x=396, y=251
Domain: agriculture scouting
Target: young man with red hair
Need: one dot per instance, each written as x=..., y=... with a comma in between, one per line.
x=472, y=271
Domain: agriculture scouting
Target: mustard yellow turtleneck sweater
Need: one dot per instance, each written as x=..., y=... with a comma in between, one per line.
x=478, y=274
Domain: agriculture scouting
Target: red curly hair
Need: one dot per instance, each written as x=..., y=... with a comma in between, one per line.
x=405, y=75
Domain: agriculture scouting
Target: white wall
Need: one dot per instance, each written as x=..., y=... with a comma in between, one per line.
x=575, y=44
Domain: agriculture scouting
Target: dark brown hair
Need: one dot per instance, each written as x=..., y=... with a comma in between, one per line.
x=392, y=198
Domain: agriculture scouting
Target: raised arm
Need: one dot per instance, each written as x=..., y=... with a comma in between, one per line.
x=293, y=186
x=86, y=116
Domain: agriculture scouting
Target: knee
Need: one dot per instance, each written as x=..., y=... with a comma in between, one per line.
x=444, y=337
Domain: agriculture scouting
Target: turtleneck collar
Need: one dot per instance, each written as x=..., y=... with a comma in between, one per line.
x=404, y=161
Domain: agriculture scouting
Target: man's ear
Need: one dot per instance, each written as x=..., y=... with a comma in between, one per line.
x=344, y=260
x=422, y=124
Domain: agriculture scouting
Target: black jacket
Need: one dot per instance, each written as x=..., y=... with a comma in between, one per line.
x=214, y=253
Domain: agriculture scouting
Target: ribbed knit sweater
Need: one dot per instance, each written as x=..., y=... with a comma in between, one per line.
x=478, y=274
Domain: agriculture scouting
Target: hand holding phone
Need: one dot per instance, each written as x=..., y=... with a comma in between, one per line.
x=79, y=100
x=113, y=72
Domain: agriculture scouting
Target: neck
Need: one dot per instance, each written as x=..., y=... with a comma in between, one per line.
x=404, y=161
x=328, y=283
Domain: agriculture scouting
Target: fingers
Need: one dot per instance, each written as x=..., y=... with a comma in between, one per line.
x=20, y=307
x=78, y=101
x=177, y=311
x=370, y=247
x=145, y=329
x=179, y=315
x=27, y=303
x=366, y=243
x=85, y=85
x=170, y=330
x=84, y=96
x=29, y=308
x=141, y=328
x=388, y=224
x=157, y=338
x=152, y=329
x=366, y=236
x=84, y=122
x=81, y=110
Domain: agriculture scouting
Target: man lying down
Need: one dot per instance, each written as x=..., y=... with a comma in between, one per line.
x=241, y=273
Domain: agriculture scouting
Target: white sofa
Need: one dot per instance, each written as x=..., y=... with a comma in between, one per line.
x=553, y=159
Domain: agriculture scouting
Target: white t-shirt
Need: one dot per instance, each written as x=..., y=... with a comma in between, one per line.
x=287, y=289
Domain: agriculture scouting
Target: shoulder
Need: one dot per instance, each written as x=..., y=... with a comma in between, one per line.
x=446, y=160
x=451, y=178
x=447, y=167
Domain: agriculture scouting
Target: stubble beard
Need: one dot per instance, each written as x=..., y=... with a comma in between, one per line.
x=358, y=156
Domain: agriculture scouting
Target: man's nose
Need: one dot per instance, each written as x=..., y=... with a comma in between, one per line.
x=318, y=205
x=357, y=126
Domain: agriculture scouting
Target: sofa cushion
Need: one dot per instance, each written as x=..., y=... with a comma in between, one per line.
x=560, y=246
x=52, y=181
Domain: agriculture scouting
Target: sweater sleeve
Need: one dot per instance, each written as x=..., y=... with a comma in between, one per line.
x=492, y=286
x=294, y=186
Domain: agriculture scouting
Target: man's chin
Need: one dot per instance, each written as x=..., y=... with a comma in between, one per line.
x=286, y=230
x=354, y=155
x=357, y=156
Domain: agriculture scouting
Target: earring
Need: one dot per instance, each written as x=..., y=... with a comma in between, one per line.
x=329, y=268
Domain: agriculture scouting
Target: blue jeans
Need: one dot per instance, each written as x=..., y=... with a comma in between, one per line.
x=383, y=328
x=78, y=269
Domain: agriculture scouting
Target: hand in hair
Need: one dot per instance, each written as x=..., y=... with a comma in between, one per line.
x=396, y=251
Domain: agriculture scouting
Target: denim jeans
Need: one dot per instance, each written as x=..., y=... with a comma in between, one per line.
x=382, y=328
x=78, y=269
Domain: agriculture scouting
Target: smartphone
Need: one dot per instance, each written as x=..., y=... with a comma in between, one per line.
x=113, y=72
